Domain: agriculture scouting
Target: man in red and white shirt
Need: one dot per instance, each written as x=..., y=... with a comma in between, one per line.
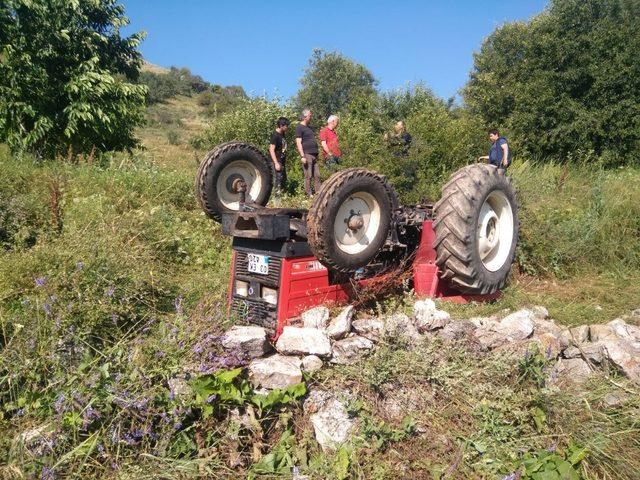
x=329, y=141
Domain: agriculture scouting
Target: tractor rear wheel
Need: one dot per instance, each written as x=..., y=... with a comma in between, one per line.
x=476, y=226
x=349, y=220
x=216, y=186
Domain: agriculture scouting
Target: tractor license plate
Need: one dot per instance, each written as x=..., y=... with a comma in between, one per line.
x=258, y=264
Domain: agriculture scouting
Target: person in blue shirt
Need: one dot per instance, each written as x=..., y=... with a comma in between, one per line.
x=499, y=153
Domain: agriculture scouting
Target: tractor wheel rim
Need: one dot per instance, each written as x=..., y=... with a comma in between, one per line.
x=357, y=222
x=495, y=231
x=236, y=170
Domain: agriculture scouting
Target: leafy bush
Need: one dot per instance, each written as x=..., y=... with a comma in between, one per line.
x=567, y=81
x=331, y=82
x=66, y=78
x=176, y=81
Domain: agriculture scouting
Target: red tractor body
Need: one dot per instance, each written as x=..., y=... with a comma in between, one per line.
x=301, y=282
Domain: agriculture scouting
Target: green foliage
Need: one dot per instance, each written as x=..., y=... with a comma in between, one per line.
x=176, y=81
x=331, y=82
x=66, y=78
x=532, y=366
x=582, y=218
x=230, y=389
x=552, y=464
x=567, y=81
x=221, y=100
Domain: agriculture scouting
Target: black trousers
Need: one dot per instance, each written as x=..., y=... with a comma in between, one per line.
x=281, y=176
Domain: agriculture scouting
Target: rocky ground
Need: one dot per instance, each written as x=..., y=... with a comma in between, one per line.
x=317, y=341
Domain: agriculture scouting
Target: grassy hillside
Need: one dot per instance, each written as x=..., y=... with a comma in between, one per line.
x=112, y=281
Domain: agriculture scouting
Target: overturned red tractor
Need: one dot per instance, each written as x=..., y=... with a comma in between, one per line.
x=286, y=260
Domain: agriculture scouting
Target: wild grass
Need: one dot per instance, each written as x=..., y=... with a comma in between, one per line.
x=112, y=282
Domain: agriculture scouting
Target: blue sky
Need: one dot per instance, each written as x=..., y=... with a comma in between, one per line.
x=265, y=46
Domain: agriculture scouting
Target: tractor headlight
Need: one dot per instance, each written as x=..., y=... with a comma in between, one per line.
x=270, y=295
x=242, y=288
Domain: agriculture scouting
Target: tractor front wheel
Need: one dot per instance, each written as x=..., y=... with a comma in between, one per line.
x=350, y=217
x=222, y=167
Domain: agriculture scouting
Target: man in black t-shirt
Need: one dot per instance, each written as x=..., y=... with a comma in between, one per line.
x=277, y=151
x=308, y=150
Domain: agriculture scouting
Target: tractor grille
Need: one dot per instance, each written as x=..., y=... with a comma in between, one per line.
x=272, y=279
x=255, y=312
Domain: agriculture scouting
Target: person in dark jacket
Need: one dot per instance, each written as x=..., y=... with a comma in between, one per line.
x=278, y=151
x=499, y=153
x=400, y=140
x=308, y=150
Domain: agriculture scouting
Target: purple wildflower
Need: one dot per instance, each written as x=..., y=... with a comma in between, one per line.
x=47, y=308
x=177, y=425
x=211, y=398
x=59, y=403
x=40, y=281
x=177, y=303
x=79, y=266
x=110, y=291
x=47, y=474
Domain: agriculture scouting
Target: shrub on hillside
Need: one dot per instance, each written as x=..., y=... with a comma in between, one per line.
x=67, y=78
x=566, y=81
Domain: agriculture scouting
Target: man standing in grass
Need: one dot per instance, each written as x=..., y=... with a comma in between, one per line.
x=308, y=149
x=329, y=142
x=278, y=150
x=499, y=153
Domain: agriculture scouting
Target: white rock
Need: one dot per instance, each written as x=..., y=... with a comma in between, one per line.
x=546, y=326
x=399, y=326
x=428, y=317
x=276, y=371
x=539, y=312
x=341, y=325
x=424, y=309
x=625, y=356
x=303, y=341
x=571, y=336
x=489, y=339
x=311, y=363
x=350, y=349
x=594, y=352
x=317, y=317
x=602, y=332
x=457, y=330
x=371, y=328
x=484, y=322
x=569, y=371
x=625, y=331
x=250, y=340
x=330, y=419
x=517, y=326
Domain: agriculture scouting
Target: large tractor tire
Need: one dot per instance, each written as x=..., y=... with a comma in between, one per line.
x=349, y=220
x=476, y=226
x=221, y=167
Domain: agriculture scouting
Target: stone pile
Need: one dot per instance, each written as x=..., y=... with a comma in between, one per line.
x=575, y=352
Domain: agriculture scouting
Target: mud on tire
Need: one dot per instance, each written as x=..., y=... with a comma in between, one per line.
x=221, y=166
x=350, y=217
x=476, y=226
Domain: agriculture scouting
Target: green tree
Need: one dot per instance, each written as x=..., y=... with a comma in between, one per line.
x=567, y=81
x=67, y=77
x=331, y=82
